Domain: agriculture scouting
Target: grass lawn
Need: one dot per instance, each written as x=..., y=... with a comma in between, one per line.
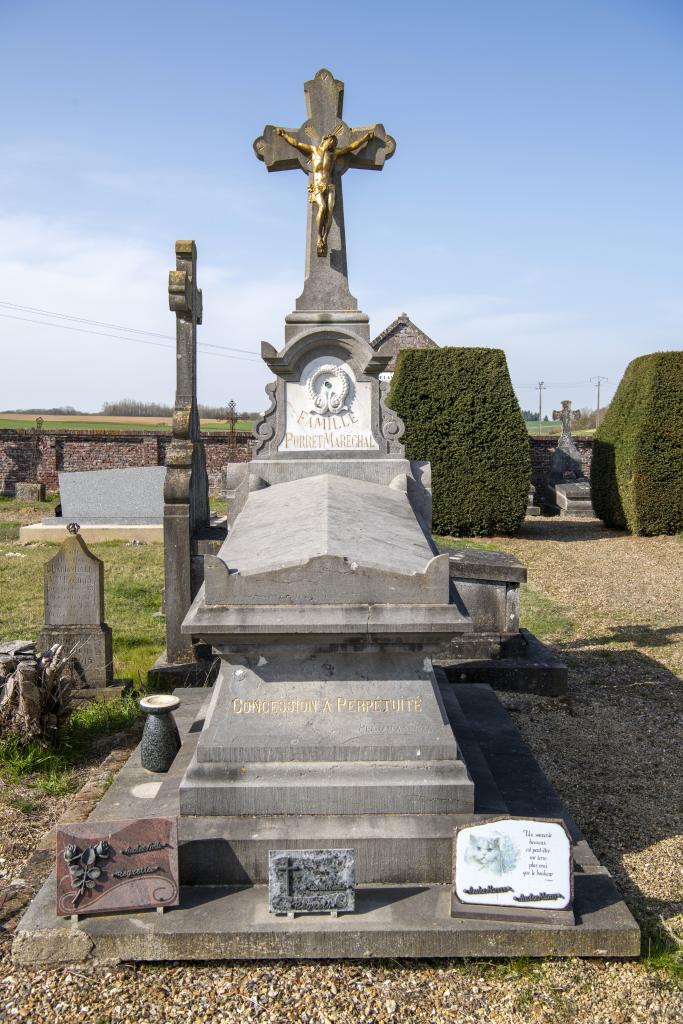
x=133, y=581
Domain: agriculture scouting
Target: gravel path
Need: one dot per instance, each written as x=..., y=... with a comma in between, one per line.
x=612, y=748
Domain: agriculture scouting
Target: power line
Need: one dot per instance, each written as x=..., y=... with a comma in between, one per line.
x=113, y=327
x=121, y=337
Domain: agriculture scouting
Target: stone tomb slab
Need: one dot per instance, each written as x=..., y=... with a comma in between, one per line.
x=214, y=921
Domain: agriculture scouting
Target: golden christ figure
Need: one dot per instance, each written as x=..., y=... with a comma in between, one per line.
x=321, y=190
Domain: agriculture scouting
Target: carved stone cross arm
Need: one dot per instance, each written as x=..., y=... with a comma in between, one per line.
x=184, y=298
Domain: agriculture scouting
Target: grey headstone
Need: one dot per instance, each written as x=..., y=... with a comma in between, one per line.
x=311, y=881
x=25, y=491
x=121, y=496
x=74, y=610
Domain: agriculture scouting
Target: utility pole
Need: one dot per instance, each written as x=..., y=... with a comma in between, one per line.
x=597, y=380
x=541, y=388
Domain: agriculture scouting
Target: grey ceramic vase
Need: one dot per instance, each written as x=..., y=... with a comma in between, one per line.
x=160, y=737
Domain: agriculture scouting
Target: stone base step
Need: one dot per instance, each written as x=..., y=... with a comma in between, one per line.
x=215, y=923
x=234, y=851
x=297, y=787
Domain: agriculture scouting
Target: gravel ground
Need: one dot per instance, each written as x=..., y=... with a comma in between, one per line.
x=612, y=748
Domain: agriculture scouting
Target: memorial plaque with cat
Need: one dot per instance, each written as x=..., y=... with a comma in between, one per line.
x=518, y=863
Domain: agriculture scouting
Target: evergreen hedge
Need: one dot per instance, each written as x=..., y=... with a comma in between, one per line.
x=637, y=465
x=462, y=415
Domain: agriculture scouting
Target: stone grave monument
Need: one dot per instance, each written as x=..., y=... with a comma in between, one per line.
x=74, y=610
x=329, y=737
x=189, y=531
x=569, y=490
x=109, y=504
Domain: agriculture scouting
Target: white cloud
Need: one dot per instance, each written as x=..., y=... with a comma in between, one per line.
x=51, y=266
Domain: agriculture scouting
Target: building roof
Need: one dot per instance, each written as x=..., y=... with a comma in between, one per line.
x=405, y=334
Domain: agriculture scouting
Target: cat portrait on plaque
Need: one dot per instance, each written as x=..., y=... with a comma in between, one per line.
x=512, y=865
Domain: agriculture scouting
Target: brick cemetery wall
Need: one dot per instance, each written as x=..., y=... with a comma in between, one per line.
x=107, y=449
x=114, y=449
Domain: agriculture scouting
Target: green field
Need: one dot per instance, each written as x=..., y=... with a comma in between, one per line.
x=554, y=429
x=88, y=423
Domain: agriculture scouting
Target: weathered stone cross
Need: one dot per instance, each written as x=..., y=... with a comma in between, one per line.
x=326, y=285
x=185, y=300
x=566, y=416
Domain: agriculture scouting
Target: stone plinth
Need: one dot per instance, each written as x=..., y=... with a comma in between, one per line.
x=226, y=916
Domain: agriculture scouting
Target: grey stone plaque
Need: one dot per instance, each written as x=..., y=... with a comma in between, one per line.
x=311, y=881
x=74, y=610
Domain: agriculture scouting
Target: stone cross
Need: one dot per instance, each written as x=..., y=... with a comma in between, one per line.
x=185, y=300
x=326, y=286
x=186, y=487
x=566, y=417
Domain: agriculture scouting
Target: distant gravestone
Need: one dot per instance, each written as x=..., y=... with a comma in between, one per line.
x=25, y=491
x=569, y=491
x=133, y=496
x=74, y=610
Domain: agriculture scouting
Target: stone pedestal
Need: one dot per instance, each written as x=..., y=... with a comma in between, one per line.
x=327, y=733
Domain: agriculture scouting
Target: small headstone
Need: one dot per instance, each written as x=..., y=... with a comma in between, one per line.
x=532, y=509
x=74, y=610
x=115, y=866
x=25, y=491
x=518, y=863
x=311, y=881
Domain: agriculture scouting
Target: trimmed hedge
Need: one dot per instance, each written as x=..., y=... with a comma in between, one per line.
x=462, y=415
x=637, y=468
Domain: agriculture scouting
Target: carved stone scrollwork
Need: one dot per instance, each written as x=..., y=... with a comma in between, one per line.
x=392, y=428
x=264, y=430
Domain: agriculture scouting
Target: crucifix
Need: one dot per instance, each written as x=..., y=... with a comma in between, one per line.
x=325, y=147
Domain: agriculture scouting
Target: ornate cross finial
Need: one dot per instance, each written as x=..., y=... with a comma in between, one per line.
x=325, y=147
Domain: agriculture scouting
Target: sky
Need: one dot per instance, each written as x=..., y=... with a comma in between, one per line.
x=533, y=204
